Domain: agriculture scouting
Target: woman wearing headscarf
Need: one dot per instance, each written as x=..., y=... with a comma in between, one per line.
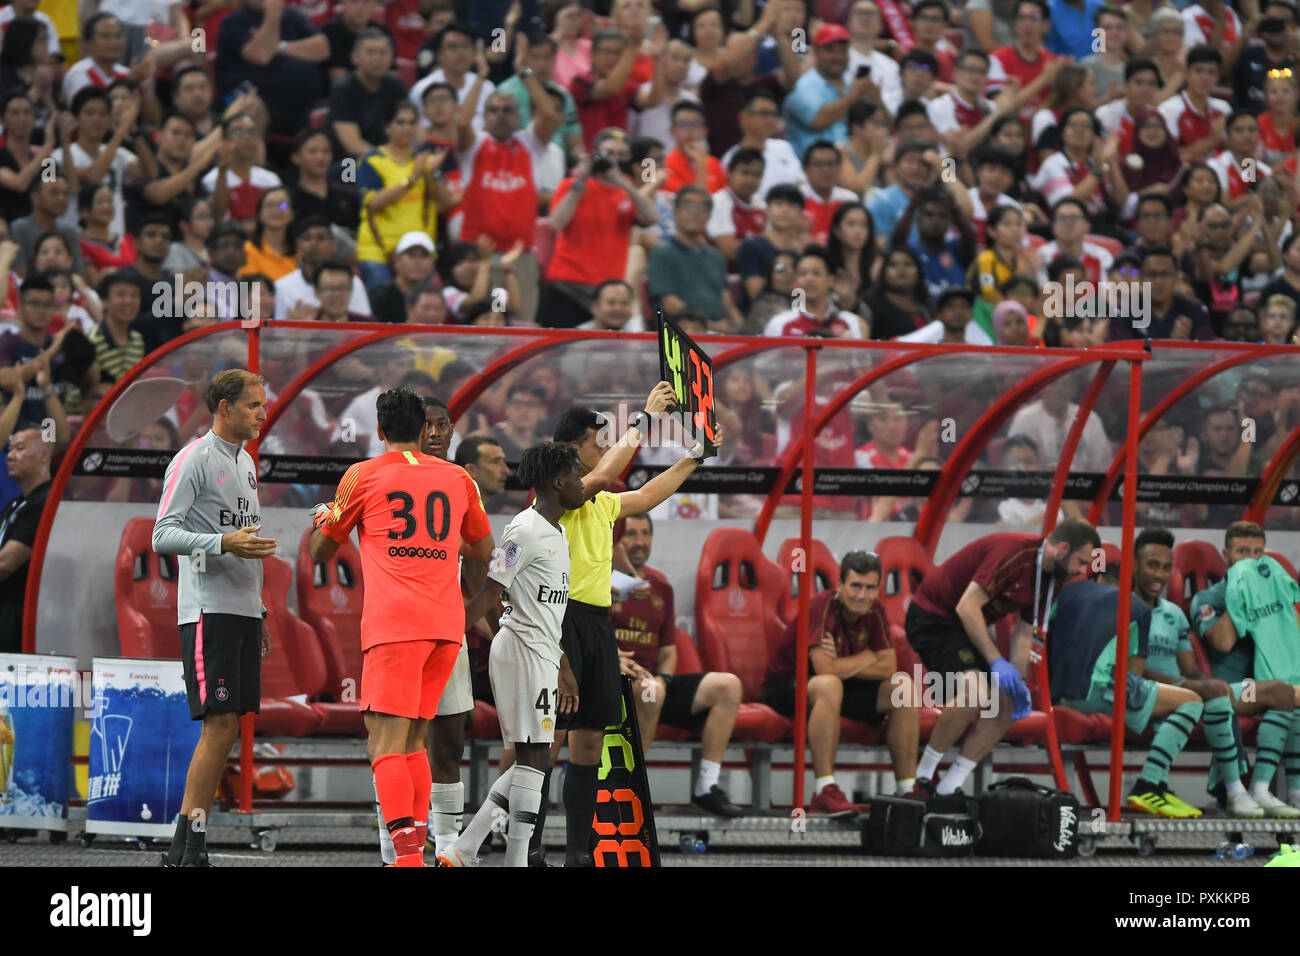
x=1153, y=161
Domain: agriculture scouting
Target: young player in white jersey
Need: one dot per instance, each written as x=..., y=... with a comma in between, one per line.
x=531, y=678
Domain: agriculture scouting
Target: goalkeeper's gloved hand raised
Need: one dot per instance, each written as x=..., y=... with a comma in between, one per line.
x=1013, y=685
x=320, y=514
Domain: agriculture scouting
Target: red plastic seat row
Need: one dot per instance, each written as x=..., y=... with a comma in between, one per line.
x=311, y=682
x=145, y=586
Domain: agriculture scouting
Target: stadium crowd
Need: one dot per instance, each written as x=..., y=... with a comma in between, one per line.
x=841, y=168
x=865, y=169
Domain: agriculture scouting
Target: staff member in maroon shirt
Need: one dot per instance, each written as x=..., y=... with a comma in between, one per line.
x=853, y=674
x=948, y=625
x=646, y=630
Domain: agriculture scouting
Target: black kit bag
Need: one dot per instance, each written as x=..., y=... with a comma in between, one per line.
x=937, y=827
x=1020, y=818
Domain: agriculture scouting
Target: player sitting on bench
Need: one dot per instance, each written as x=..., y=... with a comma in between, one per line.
x=1081, y=651
x=1232, y=659
x=646, y=630
x=852, y=673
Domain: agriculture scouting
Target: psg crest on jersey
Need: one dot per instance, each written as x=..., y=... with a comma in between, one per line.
x=252, y=481
x=510, y=555
x=1264, y=570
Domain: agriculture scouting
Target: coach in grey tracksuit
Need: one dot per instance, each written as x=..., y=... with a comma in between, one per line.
x=209, y=517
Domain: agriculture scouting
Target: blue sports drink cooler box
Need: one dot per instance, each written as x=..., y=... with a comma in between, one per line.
x=37, y=703
x=141, y=741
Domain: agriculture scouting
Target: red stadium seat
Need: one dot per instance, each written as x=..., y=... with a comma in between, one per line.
x=688, y=657
x=1197, y=565
x=1280, y=559
x=905, y=565
x=1198, y=648
x=1112, y=553
x=825, y=570
x=732, y=615
x=329, y=599
x=735, y=624
x=305, y=654
x=295, y=668
x=145, y=595
x=485, y=725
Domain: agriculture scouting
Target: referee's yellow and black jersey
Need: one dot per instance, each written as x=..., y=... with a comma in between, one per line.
x=590, y=530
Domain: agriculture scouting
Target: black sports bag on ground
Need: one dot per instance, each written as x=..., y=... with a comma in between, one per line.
x=1020, y=818
x=905, y=826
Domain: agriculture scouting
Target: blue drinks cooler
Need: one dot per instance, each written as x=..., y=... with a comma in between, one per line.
x=141, y=742
x=37, y=704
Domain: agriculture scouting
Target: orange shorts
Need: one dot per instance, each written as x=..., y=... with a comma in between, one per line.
x=406, y=678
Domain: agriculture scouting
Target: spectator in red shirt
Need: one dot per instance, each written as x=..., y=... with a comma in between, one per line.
x=821, y=165
x=605, y=93
x=689, y=162
x=408, y=26
x=102, y=249
x=928, y=22
x=499, y=170
x=738, y=211
x=888, y=428
x=1027, y=60
x=707, y=704
x=852, y=671
x=592, y=213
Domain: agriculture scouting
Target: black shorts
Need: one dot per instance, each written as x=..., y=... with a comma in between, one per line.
x=941, y=642
x=680, y=696
x=859, y=702
x=222, y=655
x=587, y=639
x=479, y=681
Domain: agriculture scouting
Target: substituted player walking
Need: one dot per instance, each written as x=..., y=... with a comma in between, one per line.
x=532, y=682
x=412, y=511
x=209, y=516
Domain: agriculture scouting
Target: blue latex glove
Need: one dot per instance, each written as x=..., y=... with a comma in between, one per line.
x=1013, y=685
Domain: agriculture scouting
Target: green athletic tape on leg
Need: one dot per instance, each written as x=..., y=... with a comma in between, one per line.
x=1291, y=758
x=1218, y=719
x=1271, y=739
x=1170, y=740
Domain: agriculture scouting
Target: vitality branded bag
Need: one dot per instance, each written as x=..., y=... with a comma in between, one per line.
x=1020, y=818
x=905, y=826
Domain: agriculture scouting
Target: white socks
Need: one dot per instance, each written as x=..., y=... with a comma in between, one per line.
x=498, y=802
x=1235, y=789
x=386, y=849
x=824, y=782
x=709, y=772
x=446, y=810
x=955, y=777
x=904, y=786
x=929, y=764
x=525, y=798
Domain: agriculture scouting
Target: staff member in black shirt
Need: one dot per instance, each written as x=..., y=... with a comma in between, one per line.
x=29, y=466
